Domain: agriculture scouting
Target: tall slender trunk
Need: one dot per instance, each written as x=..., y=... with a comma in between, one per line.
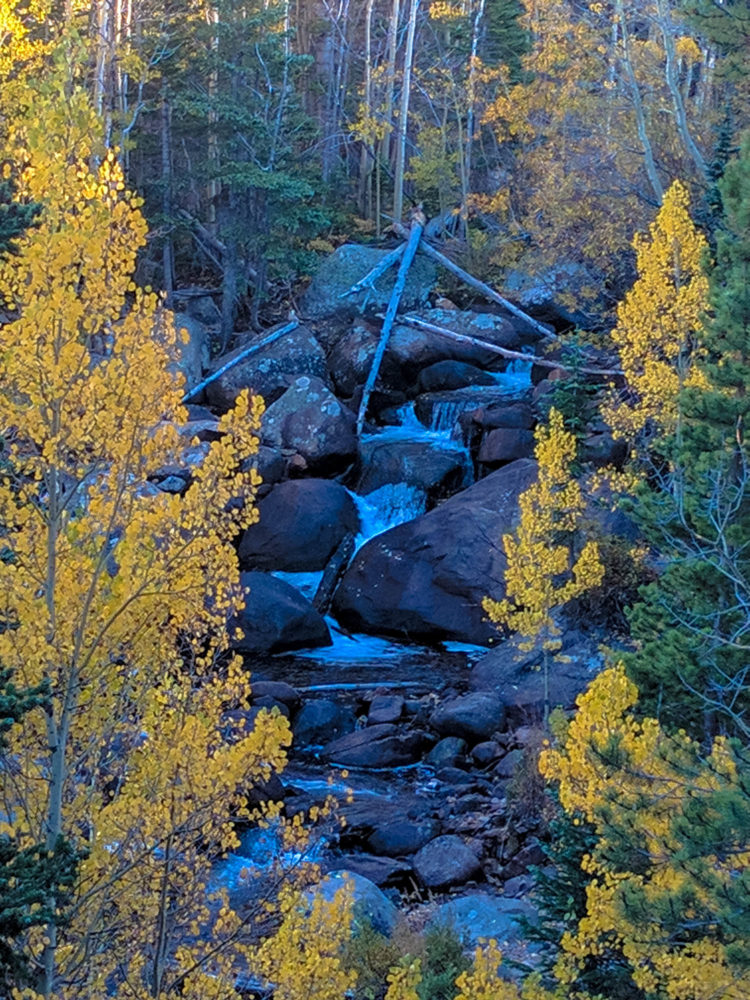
x=640, y=117
x=383, y=155
x=403, y=115
x=670, y=73
x=467, y=166
x=365, y=156
x=166, y=197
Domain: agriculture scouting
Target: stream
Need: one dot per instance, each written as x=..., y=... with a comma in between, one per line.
x=370, y=661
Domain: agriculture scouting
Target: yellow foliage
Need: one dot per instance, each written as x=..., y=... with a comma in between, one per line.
x=660, y=318
x=539, y=551
x=614, y=769
x=118, y=595
x=403, y=982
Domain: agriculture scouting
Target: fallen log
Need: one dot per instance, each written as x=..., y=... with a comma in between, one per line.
x=410, y=250
x=333, y=572
x=372, y=276
x=250, y=349
x=504, y=352
x=480, y=286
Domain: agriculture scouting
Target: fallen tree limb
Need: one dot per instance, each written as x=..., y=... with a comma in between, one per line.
x=372, y=276
x=410, y=250
x=504, y=352
x=480, y=286
x=250, y=349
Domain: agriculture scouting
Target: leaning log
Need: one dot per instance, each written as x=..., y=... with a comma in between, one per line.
x=415, y=235
x=480, y=286
x=250, y=349
x=504, y=352
x=333, y=572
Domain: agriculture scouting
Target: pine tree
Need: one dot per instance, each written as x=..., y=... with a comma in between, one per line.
x=692, y=627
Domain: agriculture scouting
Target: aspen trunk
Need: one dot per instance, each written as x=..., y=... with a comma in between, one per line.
x=403, y=115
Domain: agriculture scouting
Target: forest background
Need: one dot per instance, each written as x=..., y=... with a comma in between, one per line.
x=260, y=135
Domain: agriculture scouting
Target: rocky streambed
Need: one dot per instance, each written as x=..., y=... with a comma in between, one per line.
x=366, y=575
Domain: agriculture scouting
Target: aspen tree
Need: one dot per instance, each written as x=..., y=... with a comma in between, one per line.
x=116, y=595
x=539, y=552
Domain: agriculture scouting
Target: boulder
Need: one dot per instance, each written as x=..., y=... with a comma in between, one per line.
x=278, y=690
x=506, y=444
x=350, y=360
x=515, y=675
x=322, y=720
x=399, y=837
x=437, y=472
x=446, y=375
x=413, y=349
x=345, y=267
x=269, y=463
x=479, y=915
x=371, y=905
x=448, y=752
x=426, y=578
x=473, y=717
x=276, y=617
x=445, y=862
x=270, y=370
x=302, y=523
x=193, y=348
x=485, y=753
x=441, y=411
x=309, y=420
x=377, y=746
x=510, y=414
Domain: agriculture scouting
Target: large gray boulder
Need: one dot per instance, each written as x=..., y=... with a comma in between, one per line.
x=302, y=523
x=276, y=617
x=345, y=267
x=270, y=370
x=370, y=904
x=426, y=579
x=310, y=421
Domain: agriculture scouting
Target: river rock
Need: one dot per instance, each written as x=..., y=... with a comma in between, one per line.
x=506, y=444
x=322, y=720
x=276, y=617
x=302, y=523
x=278, y=690
x=268, y=372
x=437, y=472
x=448, y=752
x=377, y=746
x=309, y=420
x=345, y=267
x=371, y=905
x=350, y=360
x=385, y=708
x=473, y=717
x=479, y=915
x=445, y=862
x=400, y=837
x=452, y=375
x=485, y=753
x=380, y=870
x=426, y=579
x=513, y=414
